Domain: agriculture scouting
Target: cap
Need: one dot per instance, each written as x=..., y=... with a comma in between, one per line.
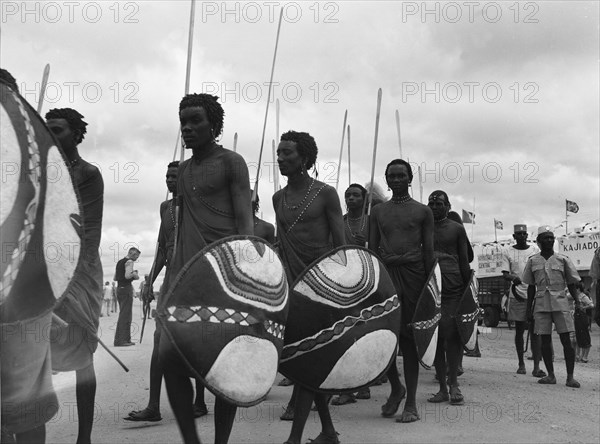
x=520, y=228
x=545, y=229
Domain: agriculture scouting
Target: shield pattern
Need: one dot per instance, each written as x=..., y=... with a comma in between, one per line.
x=342, y=328
x=427, y=317
x=467, y=314
x=225, y=315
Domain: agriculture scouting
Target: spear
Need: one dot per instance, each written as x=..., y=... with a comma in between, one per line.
x=339, y=168
x=275, y=177
x=43, y=88
x=349, y=164
x=374, y=158
x=235, y=139
x=262, y=141
x=398, y=129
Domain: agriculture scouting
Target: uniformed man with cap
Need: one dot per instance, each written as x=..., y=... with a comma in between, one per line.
x=514, y=259
x=548, y=274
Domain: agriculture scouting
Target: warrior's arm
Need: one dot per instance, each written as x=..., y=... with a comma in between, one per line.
x=334, y=216
x=463, y=256
x=239, y=187
x=427, y=239
x=374, y=235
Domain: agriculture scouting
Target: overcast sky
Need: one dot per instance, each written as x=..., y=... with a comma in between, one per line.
x=498, y=101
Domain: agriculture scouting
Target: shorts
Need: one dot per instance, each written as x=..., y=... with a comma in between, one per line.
x=563, y=320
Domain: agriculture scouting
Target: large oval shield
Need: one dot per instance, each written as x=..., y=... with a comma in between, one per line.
x=467, y=315
x=225, y=317
x=39, y=222
x=427, y=317
x=343, y=323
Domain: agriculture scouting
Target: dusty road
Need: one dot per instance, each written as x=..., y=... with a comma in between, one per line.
x=500, y=406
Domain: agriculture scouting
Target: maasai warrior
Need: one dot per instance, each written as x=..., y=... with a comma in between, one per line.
x=514, y=259
x=309, y=224
x=73, y=346
x=356, y=230
x=166, y=237
x=450, y=248
x=214, y=187
x=262, y=228
x=548, y=275
x=401, y=232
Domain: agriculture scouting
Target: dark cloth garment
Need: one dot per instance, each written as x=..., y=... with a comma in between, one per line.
x=122, y=281
x=82, y=302
x=123, y=331
x=296, y=254
x=452, y=281
x=582, y=329
x=28, y=398
x=166, y=233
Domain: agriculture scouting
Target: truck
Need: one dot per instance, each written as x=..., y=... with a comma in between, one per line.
x=578, y=246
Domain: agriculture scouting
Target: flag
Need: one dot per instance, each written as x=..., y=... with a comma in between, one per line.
x=572, y=206
x=498, y=224
x=468, y=217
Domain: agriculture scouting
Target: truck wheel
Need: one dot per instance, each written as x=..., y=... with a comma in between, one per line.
x=491, y=317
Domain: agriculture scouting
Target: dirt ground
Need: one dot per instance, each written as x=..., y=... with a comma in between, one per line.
x=500, y=406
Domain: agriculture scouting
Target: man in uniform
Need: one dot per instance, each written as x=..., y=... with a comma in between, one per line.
x=309, y=224
x=401, y=233
x=125, y=275
x=514, y=259
x=548, y=274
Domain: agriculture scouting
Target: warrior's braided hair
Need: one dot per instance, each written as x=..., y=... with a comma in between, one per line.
x=73, y=118
x=305, y=144
x=174, y=164
x=214, y=110
x=9, y=79
x=400, y=162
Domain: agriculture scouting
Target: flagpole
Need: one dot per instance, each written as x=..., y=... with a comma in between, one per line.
x=566, y=219
x=339, y=168
x=262, y=140
x=495, y=233
x=473, y=221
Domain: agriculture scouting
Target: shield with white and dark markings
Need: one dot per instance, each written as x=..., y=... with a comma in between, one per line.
x=467, y=314
x=225, y=317
x=427, y=317
x=343, y=323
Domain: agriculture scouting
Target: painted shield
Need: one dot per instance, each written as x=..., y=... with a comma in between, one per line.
x=467, y=314
x=342, y=328
x=225, y=317
x=40, y=222
x=427, y=317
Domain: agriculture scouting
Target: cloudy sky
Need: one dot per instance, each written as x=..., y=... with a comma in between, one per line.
x=498, y=101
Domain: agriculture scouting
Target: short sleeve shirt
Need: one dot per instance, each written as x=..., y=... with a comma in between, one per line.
x=551, y=278
x=514, y=261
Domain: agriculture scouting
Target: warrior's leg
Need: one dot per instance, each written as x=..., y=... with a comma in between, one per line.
x=324, y=415
x=519, y=344
x=85, y=392
x=224, y=417
x=304, y=400
x=200, y=408
x=156, y=375
x=411, y=374
x=180, y=392
x=397, y=393
x=440, y=363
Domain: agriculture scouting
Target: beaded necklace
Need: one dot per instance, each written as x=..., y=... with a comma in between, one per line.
x=171, y=211
x=362, y=225
x=304, y=209
x=207, y=203
x=401, y=200
x=295, y=207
